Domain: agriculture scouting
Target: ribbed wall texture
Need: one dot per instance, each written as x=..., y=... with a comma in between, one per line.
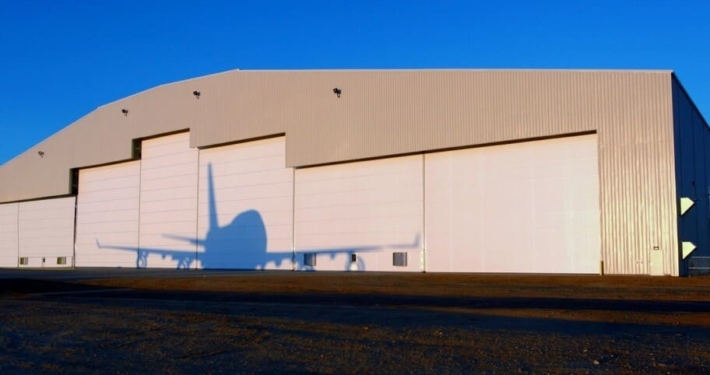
x=107, y=215
x=529, y=207
x=167, y=235
x=46, y=231
x=693, y=180
x=637, y=176
x=9, y=246
x=383, y=113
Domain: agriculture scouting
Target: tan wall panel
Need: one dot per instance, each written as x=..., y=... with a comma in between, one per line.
x=371, y=209
x=528, y=207
x=167, y=235
x=107, y=216
x=379, y=113
x=46, y=231
x=692, y=172
x=245, y=207
x=9, y=252
x=636, y=172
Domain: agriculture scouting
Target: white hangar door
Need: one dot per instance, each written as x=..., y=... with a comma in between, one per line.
x=526, y=207
x=46, y=232
x=360, y=216
x=168, y=203
x=8, y=235
x=245, y=206
x=107, y=216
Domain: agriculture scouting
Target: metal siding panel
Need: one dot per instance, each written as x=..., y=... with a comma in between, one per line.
x=682, y=119
x=528, y=207
x=8, y=235
x=46, y=230
x=704, y=203
x=637, y=174
x=401, y=112
x=107, y=216
x=168, y=203
x=379, y=113
x=246, y=206
x=371, y=209
x=700, y=134
x=692, y=177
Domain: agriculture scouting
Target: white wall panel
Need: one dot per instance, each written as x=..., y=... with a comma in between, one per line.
x=8, y=235
x=524, y=207
x=107, y=216
x=168, y=202
x=245, y=217
x=46, y=231
x=371, y=208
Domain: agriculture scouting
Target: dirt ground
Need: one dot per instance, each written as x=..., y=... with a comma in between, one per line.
x=354, y=323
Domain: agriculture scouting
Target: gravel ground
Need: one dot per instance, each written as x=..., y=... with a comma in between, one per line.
x=343, y=323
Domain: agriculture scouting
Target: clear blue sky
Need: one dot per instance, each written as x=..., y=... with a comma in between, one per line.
x=60, y=59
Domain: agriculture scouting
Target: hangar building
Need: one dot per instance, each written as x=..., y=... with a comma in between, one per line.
x=529, y=171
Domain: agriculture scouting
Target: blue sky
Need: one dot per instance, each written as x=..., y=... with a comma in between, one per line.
x=60, y=59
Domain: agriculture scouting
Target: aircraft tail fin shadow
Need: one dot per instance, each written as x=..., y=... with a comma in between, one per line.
x=214, y=222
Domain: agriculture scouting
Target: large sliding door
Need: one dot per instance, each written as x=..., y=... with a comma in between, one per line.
x=107, y=216
x=360, y=216
x=46, y=232
x=528, y=207
x=168, y=203
x=246, y=206
x=9, y=252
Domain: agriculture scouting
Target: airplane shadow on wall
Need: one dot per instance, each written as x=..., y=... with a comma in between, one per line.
x=243, y=245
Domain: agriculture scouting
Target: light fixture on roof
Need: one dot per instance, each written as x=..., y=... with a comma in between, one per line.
x=40, y=153
x=125, y=112
x=196, y=93
x=337, y=91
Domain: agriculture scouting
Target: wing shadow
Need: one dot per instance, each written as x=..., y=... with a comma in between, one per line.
x=242, y=244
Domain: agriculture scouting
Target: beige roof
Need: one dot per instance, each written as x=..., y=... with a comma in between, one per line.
x=379, y=112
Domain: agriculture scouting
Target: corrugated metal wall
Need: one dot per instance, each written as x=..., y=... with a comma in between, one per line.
x=382, y=113
x=371, y=209
x=692, y=142
x=9, y=218
x=529, y=207
x=46, y=231
x=107, y=216
x=379, y=113
x=167, y=234
x=637, y=175
x=245, y=209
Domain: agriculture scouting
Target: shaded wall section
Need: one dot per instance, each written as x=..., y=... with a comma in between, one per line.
x=692, y=176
